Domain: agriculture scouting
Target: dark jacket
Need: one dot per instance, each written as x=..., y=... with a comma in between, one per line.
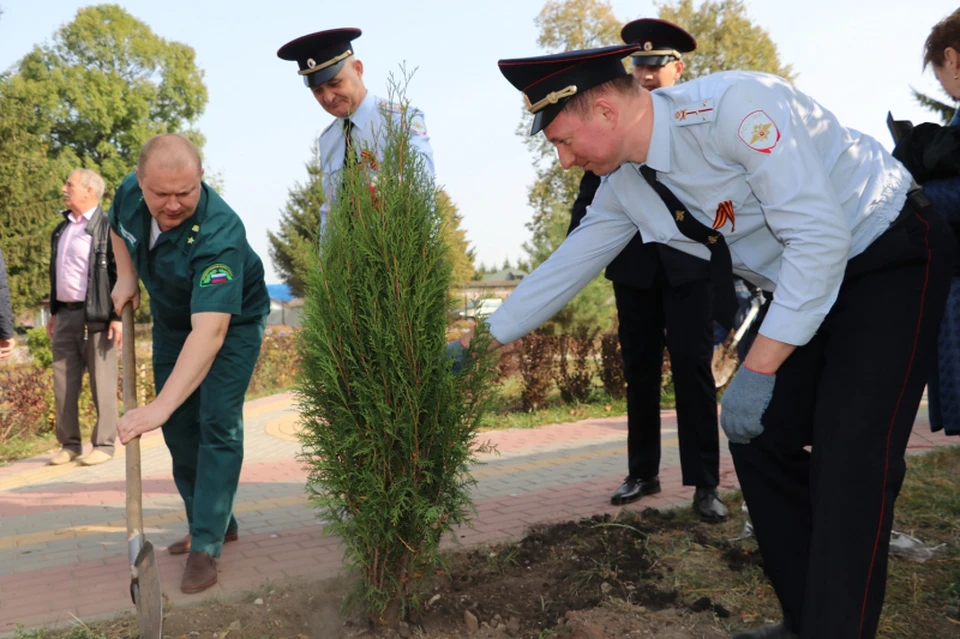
x=932, y=154
x=930, y=151
x=6, y=312
x=638, y=264
x=101, y=270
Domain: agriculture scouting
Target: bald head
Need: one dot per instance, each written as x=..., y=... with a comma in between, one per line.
x=169, y=174
x=169, y=152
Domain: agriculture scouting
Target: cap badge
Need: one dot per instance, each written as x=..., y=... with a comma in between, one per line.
x=647, y=46
x=311, y=63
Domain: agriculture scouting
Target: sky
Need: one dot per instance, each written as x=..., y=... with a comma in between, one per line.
x=859, y=59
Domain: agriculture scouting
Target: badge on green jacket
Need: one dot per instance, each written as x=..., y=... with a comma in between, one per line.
x=216, y=274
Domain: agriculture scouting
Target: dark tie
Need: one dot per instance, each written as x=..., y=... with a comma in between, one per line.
x=349, y=157
x=721, y=267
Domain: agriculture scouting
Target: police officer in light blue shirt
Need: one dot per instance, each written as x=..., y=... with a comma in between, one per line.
x=744, y=170
x=335, y=76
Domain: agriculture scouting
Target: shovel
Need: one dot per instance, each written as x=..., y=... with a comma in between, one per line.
x=725, y=360
x=144, y=575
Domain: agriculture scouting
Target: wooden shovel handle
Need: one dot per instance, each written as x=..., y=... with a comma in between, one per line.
x=134, y=496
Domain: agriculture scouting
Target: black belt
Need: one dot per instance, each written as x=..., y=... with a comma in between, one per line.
x=72, y=306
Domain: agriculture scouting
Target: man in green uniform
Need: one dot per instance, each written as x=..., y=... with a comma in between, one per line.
x=209, y=305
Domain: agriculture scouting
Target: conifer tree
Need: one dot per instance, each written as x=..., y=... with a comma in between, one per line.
x=389, y=427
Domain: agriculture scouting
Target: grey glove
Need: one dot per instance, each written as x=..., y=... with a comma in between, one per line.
x=744, y=403
x=457, y=354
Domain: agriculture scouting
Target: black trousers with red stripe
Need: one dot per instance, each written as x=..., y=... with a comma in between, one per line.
x=823, y=517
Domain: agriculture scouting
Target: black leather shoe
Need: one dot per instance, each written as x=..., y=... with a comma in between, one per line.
x=707, y=504
x=633, y=489
x=778, y=631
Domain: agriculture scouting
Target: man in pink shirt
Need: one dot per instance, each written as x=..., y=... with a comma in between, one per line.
x=85, y=330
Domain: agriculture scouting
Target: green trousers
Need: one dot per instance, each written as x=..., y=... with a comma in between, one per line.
x=205, y=435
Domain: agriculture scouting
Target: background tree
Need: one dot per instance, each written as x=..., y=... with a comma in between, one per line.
x=104, y=85
x=389, y=427
x=943, y=110
x=90, y=98
x=566, y=25
x=29, y=200
x=294, y=247
x=459, y=253
x=727, y=39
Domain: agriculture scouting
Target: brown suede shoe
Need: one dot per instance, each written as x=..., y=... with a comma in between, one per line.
x=182, y=547
x=200, y=573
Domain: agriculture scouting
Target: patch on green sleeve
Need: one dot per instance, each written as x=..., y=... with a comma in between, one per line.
x=216, y=274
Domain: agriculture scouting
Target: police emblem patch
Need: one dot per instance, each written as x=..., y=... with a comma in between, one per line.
x=417, y=125
x=759, y=132
x=216, y=274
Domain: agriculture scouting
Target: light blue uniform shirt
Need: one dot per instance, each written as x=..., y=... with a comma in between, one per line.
x=807, y=194
x=369, y=128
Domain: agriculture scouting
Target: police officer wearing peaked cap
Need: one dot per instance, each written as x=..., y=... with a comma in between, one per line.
x=664, y=297
x=745, y=169
x=332, y=72
x=659, y=62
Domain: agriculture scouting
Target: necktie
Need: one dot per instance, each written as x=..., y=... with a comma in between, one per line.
x=349, y=157
x=721, y=267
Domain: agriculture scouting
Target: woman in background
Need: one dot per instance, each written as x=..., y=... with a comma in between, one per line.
x=932, y=154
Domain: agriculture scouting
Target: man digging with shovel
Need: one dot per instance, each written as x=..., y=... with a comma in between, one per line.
x=209, y=305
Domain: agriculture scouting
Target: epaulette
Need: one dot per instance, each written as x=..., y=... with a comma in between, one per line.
x=694, y=113
x=386, y=105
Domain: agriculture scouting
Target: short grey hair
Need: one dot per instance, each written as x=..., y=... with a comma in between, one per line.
x=91, y=179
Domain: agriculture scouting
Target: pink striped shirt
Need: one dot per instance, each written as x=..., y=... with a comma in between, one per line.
x=73, y=258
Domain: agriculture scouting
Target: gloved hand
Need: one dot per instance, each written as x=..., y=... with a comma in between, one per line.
x=457, y=354
x=744, y=403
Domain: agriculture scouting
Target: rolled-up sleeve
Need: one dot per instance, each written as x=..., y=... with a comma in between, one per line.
x=604, y=232
x=759, y=131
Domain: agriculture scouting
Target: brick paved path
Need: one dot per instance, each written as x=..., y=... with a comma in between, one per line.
x=63, y=536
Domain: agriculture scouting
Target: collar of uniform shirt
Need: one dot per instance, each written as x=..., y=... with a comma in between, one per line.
x=658, y=153
x=361, y=117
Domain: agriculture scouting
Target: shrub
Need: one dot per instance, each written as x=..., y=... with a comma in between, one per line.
x=278, y=363
x=388, y=427
x=575, y=380
x=611, y=366
x=26, y=402
x=537, y=363
x=40, y=346
x=508, y=362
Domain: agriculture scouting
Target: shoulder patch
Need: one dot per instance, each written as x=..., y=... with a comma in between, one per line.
x=759, y=132
x=417, y=124
x=694, y=113
x=216, y=274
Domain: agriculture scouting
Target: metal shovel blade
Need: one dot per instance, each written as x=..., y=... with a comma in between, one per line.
x=146, y=592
